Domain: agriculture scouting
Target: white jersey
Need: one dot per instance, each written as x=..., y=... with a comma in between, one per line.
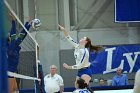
x=81, y=91
x=53, y=83
x=137, y=83
x=81, y=55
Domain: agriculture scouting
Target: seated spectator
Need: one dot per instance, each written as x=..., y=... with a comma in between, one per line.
x=119, y=79
x=101, y=82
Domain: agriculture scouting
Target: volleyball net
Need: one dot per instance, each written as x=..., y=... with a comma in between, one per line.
x=27, y=69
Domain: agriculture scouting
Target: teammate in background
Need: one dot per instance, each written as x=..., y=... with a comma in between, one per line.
x=53, y=82
x=81, y=55
x=119, y=79
x=13, y=49
x=81, y=86
x=137, y=83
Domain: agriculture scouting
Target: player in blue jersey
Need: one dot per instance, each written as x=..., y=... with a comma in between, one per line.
x=81, y=55
x=13, y=49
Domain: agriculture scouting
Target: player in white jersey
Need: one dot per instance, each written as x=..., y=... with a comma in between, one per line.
x=137, y=83
x=81, y=55
x=81, y=86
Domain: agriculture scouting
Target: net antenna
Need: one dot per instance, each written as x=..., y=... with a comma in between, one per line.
x=35, y=14
x=35, y=8
x=35, y=43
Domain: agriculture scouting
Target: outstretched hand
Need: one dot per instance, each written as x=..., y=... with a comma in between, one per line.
x=61, y=27
x=30, y=20
x=11, y=16
x=66, y=66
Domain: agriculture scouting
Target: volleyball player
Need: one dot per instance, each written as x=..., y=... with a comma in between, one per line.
x=80, y=86
x=13, y=49
x=137, y=83
x=81, y=55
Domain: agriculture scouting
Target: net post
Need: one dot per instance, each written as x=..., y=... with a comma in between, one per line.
x=37, y=59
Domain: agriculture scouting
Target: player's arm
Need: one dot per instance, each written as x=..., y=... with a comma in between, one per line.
x=66, y=34
x=12, y=35
x=13, y=30
x=23, y=33
x=13, y=27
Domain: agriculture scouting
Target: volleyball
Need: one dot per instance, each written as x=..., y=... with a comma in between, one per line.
x=36, y=23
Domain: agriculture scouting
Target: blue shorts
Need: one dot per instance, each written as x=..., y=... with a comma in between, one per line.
x=86, y=71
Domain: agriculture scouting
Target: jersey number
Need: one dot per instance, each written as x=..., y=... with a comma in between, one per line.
x=83, y=91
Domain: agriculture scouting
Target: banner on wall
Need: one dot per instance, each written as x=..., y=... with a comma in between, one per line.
x=127, y=11
x=126, y=57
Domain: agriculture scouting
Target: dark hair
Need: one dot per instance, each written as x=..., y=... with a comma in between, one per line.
x=101, y=79
x=81, y=83
x=8, y=39
x=92, y=47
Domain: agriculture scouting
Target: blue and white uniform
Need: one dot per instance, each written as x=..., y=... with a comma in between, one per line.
x=81, y=91
x=81, y=57
x=13, y=48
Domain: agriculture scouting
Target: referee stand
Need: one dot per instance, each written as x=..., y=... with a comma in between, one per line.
x=3, y=58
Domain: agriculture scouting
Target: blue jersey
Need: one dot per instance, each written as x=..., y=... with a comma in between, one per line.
x=13, y=48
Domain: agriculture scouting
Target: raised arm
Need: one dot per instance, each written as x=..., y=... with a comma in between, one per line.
x=67, y=36
x=12, y=34
x=23, y=33
x=13, y=27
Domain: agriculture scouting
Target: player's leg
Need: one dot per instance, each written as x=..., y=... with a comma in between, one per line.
x=12, y=85
x=86, y=77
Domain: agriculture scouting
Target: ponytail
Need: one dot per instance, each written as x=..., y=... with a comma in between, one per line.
x=86, y=85
x=92, y=47
x=95, y=48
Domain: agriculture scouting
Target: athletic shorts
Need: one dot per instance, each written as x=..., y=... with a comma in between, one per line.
x=86, y=71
